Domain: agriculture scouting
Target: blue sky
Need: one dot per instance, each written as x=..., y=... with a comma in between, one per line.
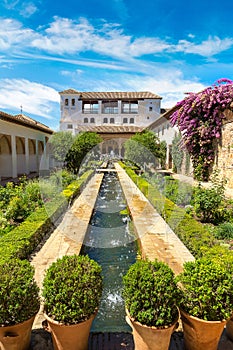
x=166, y=47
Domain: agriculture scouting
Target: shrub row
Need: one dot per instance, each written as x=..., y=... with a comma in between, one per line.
x=192, y=233
x=21, y=241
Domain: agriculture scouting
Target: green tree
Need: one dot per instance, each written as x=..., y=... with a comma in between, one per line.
x=61, y=143
x=144, y=148
x=83, y=143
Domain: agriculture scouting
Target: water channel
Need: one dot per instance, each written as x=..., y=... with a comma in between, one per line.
x=111, y=242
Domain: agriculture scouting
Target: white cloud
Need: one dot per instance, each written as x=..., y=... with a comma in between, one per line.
x=36, y=99
x=12, y=34
x=169, y=84
x=65, y=36
x=28, y=9
x=207, y=48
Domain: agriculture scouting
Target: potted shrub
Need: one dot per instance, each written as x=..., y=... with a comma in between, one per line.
x=72, y=289
x=19, y=304
x=206, y=302
x=150, y=295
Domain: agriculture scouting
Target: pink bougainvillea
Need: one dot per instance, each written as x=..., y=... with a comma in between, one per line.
x=199, y=117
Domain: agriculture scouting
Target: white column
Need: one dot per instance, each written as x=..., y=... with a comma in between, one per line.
x=37, y=156
x=27, y=155
x=100, y=107
x=119, y=106
x=44, y=162
x=14, y=156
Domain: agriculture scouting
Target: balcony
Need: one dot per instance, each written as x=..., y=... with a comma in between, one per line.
x=90, y=111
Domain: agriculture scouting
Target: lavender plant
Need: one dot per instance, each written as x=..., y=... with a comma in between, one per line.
x=199, y=117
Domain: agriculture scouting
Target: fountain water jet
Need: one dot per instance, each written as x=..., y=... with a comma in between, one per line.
x=111, y=242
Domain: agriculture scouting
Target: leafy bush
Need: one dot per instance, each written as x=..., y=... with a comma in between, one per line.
x=22, y=240
x=178, y=192
x=206, y=287
x=19, y=294
x=209, y=203
x=224, y=231
x=191, y=232
x=150, y=293
x=72, y=289
x=18, y=201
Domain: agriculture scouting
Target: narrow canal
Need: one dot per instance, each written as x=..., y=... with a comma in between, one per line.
x=111, y=242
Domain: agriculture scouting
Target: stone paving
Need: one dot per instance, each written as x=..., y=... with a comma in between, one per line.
x=67, y=238
x=156, y=237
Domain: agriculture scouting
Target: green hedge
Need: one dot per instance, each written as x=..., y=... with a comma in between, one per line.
x=21, y=241
x=191, y=232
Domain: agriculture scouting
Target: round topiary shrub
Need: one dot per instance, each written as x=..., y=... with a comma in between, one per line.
x=206, y=289
x=19, y=293
x=72, y=289
x=151, y=294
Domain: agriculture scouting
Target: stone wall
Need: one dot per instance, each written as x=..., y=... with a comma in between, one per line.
x=224, y=157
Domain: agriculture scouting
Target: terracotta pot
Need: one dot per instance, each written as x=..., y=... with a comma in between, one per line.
x=229, y=328
x=200, y=334
x=16, y=337
x=150, y=338
x=72, y=337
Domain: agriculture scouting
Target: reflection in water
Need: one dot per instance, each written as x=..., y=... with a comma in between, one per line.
x=111, y=242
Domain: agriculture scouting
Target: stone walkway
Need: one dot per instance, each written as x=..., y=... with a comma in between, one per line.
x=157, y=238
x=67, y=238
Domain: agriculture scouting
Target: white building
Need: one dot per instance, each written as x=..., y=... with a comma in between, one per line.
x=165, y=132
x=116, y=116
x=114, y=109
x=22, y=144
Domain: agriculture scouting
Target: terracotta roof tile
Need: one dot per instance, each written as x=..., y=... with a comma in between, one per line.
x=112, y=94
x=25, y=121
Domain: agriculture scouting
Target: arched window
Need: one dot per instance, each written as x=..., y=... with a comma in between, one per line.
x=92, y=120
x=105, y=120
x=125, y=120
x=5, y=144
x=32, y=146
x=131, y=121
x=112, y=121
x=85, y=120
x=20, y=145
x=66, y=102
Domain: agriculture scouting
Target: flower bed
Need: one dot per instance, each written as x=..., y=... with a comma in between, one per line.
x=21, y=241
x=192, y=233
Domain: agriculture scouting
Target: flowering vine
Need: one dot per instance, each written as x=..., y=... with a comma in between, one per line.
x=199, y=118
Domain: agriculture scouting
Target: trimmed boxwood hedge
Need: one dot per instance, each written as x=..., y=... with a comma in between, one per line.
x=21, y=241
x=191, y=232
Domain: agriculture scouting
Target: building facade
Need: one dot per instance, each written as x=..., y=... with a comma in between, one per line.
x=165, y=132
x=114, y=109
x=22, y=145
x=115, y=116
